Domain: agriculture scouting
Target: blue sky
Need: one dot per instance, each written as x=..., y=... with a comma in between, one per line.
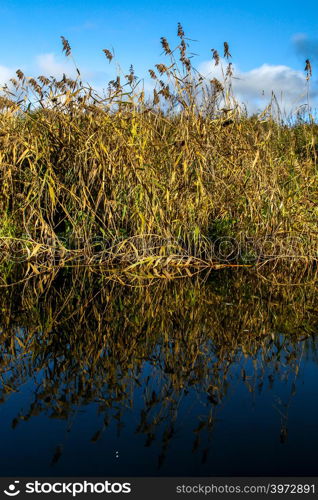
x=273, y=33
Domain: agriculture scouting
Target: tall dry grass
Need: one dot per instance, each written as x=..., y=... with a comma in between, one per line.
x=159, y=183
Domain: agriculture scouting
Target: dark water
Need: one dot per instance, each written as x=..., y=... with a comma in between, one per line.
x=216, y=377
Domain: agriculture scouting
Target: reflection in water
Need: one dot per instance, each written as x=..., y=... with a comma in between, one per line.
x=180, y=378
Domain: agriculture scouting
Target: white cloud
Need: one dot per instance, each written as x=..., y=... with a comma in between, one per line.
x=254, y=88
x=5, y=74
x=49, y=65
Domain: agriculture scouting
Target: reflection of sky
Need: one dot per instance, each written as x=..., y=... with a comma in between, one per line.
x=245, y=438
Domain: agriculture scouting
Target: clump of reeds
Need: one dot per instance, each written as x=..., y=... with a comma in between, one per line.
x=155, y=181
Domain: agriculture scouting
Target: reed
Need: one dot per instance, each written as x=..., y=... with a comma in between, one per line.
x=153, y=184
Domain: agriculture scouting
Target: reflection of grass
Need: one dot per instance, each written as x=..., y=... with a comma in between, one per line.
x=152, y=178
x=194, y=337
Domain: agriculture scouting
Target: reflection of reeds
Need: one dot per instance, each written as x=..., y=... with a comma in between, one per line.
x=90, y=342
x=185, y=168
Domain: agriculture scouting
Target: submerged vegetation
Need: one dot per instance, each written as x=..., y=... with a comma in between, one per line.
x=159, y=184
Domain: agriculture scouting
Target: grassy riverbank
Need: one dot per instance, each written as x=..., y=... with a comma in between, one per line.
x=179, y=178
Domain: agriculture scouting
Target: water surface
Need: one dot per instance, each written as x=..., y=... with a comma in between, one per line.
x=189, y=378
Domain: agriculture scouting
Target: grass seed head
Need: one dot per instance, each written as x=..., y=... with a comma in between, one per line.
x=108, y=54
x=215, y=56
x=66, y=48
x=308, y=69
x=227, y=54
